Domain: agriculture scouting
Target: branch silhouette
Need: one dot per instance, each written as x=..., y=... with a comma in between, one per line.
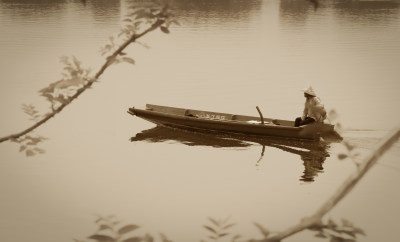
x=314, y=221
x=158, y=18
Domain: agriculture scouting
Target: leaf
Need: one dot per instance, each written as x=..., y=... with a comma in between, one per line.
x=346, y=223
x=164, y=29
x=174, y=22
x=148, y=238
x=226, y=220
x=349, y=146
x=29, y=153
x=127, y=229
x=342, y=156
x=359, y=231
x=214, y=222
x=346, y=231
x=77, y=240
x=73, y=81
x=210, y=229
x=333, y=114
x=31, y=111
x=128, y=60
x=228, y=226
x=76, y=62
x=106, y=48
x=115, y=223
x=222, y=235
x=336, y=239
x=164, y=238
x=320, y=235
x=133, y=239
x=22, y=148
x=112, y=60
x=331, y=224
x=101, y=238
x=41, y=151
x=64, y=59
x=104, y=227
x=34, y=140
x=99, y=219
x=238, y=236
x=137, y=23
x=143, y=13
x=263, y=230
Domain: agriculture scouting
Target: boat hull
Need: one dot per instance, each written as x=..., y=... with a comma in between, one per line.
x=204, y=121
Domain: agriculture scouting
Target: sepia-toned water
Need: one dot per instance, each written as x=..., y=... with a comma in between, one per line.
x=228, y=56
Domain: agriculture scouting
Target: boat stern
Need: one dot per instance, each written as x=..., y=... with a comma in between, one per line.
x=317, y=130
x=131, y=111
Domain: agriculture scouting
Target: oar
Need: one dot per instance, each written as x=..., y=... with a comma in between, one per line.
x=261, y=116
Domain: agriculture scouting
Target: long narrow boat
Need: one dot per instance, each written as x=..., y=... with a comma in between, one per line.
x=205, y=121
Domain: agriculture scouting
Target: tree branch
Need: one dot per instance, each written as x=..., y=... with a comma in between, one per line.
x=343, y=190
x=158, y=23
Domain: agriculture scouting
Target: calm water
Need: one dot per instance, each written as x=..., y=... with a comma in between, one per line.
x=227, y=56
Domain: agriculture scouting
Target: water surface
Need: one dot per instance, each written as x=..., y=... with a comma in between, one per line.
x=226, y=56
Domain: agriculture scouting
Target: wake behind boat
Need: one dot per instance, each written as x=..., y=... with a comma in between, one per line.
x=207, y=121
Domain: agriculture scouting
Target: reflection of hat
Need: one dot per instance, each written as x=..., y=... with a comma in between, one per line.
x=309, y=91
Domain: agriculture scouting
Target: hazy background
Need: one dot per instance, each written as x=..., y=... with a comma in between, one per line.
x=228, y=56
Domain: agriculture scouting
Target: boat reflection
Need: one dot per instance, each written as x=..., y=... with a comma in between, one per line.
x=313, y=154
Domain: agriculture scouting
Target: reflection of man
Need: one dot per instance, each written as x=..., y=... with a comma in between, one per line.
x=313, y=159
x=312, y=166
x=314, y=110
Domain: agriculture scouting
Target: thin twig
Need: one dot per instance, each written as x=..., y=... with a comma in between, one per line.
x=109, y=61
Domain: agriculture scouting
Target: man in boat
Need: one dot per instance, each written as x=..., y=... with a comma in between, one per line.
x=314, y=110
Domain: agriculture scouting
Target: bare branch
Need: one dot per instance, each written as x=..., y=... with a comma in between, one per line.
x=344, y=189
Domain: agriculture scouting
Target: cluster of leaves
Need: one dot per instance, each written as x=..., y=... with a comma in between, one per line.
x=110, y=231
x=350, y=152
x=346, y=232
x=56, y=93
x=219, y=228
x=333, y=117
x=28, y=144
x=112, y=47
x=350, y=149
x=31, y=111
x=147, y=14
x=74, y=77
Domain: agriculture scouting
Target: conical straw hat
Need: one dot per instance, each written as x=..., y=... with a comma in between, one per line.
x=309, y=91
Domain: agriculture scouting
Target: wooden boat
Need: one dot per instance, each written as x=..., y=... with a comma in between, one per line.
x=206, y=121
